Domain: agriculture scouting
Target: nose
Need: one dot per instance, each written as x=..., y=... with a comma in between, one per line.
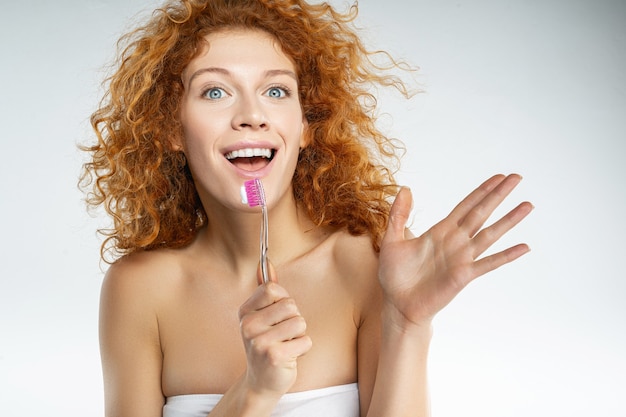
x=249, y=114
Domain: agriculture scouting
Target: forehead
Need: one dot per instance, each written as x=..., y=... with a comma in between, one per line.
x=233, y=48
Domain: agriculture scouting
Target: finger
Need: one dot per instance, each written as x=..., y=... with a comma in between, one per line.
x=260, y=321
x=280, y=354
x=481, y=211
x=271, y=273
x=488, y=236
x=263, y=296
x=476, y=196
x=489, y=263
x=398, y=216
x=284, y=331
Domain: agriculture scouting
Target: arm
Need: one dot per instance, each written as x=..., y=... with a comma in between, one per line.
x=274, y=336
x=129, y=346
x=388, y=358
x=401, y=387
x=420, y=276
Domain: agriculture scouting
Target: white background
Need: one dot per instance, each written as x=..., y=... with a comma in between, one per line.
x=536, y=87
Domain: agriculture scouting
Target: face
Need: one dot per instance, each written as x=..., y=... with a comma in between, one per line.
x=241, y=116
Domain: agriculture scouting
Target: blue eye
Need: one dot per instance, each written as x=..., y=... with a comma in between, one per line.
x=214, y=93
x=277, y=92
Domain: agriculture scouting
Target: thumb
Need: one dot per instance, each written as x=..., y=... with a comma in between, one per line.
x=399, y=216
x=271, y=273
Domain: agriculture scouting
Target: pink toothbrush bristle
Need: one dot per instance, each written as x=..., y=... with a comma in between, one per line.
x=254, y=192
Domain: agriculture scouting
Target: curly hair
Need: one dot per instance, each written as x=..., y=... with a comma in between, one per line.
x=344, y=177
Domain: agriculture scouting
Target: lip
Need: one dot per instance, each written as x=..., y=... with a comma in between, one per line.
x=251, y=144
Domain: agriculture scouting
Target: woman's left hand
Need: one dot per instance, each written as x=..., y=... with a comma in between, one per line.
x=420, y=276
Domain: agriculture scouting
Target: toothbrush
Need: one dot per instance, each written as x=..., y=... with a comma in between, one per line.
x=253, y=195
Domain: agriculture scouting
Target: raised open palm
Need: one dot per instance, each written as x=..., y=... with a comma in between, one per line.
x=422, y=275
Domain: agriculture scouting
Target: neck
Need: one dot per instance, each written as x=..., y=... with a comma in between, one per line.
x=233, y=236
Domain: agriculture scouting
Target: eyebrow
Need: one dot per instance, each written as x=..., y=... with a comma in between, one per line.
x=223, y=71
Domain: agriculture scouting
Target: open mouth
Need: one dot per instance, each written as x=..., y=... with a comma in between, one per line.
x=251, y=159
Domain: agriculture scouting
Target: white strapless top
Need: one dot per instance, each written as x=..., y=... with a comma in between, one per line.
x=337, y=401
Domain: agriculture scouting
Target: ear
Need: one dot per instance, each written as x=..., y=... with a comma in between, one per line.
x=176, y=143
x=305, y=134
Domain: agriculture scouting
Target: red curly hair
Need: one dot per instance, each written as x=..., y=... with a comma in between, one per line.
x=344, y=177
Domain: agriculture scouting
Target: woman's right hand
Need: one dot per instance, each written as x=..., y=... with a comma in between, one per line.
x=274, y=336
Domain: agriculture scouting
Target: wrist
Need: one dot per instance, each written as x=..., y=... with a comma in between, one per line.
x=246, y=400
x=394, y=321
x=257, y=403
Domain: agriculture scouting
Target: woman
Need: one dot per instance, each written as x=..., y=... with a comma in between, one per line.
x=210, y=94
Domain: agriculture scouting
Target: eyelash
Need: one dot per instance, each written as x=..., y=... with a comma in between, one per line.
x=205, y=92
x=284, y=89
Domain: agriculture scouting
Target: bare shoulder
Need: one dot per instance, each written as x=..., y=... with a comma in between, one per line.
x=133, y=290
x=357, y=262
x=355, y=256
x=136, y=288
x=144, y=276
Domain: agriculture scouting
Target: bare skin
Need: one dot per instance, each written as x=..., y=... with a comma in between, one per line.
x=194, y=320
x=171, y=320
x=173, y=323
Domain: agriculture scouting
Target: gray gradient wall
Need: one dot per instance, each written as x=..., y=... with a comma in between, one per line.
x=533, y=87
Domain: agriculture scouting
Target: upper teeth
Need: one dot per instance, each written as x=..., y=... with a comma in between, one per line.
x=249, y=153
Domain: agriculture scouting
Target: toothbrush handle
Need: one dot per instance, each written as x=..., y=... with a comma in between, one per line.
x=263, y=246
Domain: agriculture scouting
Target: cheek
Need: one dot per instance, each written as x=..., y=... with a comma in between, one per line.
x=193, y=118
x=197, y=132
x=291, y=122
